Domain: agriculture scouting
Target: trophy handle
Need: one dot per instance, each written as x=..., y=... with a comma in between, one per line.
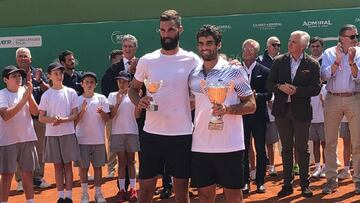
x=231, y=86
x=203, y=86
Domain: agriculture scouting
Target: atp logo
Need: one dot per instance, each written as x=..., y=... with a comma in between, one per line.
x=116, y=37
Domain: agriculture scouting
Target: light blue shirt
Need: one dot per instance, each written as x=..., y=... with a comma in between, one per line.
x=342, y=80
x=294, y=64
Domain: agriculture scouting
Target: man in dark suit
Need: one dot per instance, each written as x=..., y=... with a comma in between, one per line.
x=255, y=124
x=294, y=79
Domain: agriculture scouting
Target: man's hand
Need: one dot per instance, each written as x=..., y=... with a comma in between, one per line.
x=133, y=64
x=218, y=109
x=29, y=89
x=287, y=88
x=144, y=102
x=339, y=52
x=352, y=53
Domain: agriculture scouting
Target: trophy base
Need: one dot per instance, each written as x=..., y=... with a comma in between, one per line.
x=216, y=126
x=153, y=107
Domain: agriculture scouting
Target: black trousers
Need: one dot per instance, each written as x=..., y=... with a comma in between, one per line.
x=256, y=128
x=292, y=133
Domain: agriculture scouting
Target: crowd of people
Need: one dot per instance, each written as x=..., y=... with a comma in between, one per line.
x=162, y=107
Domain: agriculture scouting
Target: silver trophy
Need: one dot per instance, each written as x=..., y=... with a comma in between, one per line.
x=152, y=88
x=217, y=93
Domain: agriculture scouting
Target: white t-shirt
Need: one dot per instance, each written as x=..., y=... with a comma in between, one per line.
x=59, y=103
x=174, y=114
x=231, y=138
x=90, y=130
x=271, y=117
x=317, y=107
x=124, y=121
x=19, y=128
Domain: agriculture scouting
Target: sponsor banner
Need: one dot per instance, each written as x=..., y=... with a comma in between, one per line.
x=21, y=41
x=92, y=42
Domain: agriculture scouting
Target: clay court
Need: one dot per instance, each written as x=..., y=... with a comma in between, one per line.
x=273, y=185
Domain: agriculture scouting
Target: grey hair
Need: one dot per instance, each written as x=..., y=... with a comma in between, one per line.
x=254, y=42
x=271, y=39
x=23, y=49
x=130, y=38
x=304, y=36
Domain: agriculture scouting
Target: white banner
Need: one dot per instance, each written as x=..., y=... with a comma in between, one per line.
x=21, y=41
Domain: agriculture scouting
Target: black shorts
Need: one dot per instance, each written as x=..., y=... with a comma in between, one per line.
x=169, y=153
x=225, y=169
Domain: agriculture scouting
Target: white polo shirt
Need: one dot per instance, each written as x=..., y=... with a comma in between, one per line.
x=90, y=130
x=19, y=128
x=231, y=138
x=317, y=107
x=59, y=103
x=124, y=122
x=174, y=114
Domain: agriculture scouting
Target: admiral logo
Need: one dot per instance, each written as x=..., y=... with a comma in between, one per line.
x=267, y=26
x=224, y=28
x=317, y=23
x=357, y=20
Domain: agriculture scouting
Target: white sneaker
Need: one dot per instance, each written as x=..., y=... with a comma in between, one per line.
x=272, y=171
x=84, y=198
x=344, y=174
x=253, y=175
x=19, y=187
x=99, y=198
x=90, y=177
x=111, y=174
x=44, y=184
x=316, y=173
x=338, y=162
x=322, y=172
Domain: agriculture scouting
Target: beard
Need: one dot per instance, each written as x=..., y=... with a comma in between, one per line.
x=209, y=57
x=169, y=43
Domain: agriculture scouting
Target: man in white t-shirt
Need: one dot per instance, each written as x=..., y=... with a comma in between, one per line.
x=167, y=138
x=217, y=155
x=17, y=135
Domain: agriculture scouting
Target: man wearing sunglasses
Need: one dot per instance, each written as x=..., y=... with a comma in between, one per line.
x=272, y=50
x=340, y=68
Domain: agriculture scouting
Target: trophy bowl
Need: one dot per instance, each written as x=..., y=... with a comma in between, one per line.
x=153, y=87
x=216, y=93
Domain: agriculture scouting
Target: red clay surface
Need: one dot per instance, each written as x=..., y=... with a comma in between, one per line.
x=273, y=185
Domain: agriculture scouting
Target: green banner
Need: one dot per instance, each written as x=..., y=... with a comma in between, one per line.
x=92, y=42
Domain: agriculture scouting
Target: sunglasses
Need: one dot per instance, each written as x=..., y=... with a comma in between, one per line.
x=315, y=46
x=275, y=45
x=352, y=37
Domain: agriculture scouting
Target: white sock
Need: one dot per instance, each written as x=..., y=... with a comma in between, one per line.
x=68, y=194
x=317, y=165
x=97, y=190
x=133, y=183
x=61, y=194
x=122, y=183
x=347, y=168
x=324, y=165
x=30, y=201
x=84, y=188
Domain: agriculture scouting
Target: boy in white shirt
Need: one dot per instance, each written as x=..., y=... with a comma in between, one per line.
x=90, y=132
x=317, y=134
x=124, y=138
x=17, y=135
x=58, y=109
